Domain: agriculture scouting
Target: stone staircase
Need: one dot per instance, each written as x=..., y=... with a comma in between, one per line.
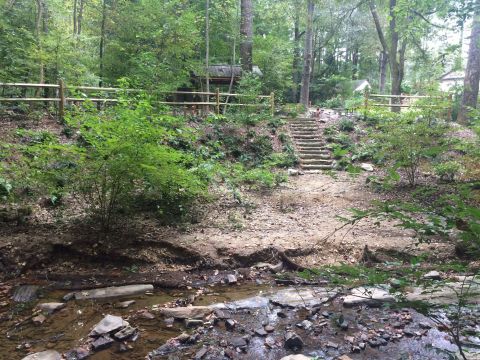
x=310, y=146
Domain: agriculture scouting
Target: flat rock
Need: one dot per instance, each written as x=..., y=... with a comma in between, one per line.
x=255, y=302
x=125, y=333
x=189, y=312
x=124, y=304
x=51, y=307
x=307, y=297
x=113, y=292
x=44, y=355
x=109, y=324
x=445, y=294
x=367, y=296
x=25, y=293
x=296, y=357
x=102, y=343
x=238, y=342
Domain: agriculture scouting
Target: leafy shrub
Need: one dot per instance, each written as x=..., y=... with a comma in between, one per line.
x=334, y=103
x=346, y=125
x=406, y=143
x=31, y=137
x=447, y=170
x=329, y=130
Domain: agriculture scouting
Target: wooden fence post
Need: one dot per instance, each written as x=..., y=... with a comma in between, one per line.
x=272, y=103
x=61, y=104
x=217, y=98
x=365, y=94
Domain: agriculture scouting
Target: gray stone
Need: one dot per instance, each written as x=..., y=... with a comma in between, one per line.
x=193, y=323
x=293, y=172
x=367, y=167
x=367, y=296
x=144, y=314
x=255, y=302
x=109, y=324
x=189, y=312
x=446, y=294
x=113, y=292
x=293, y=341
x=77, y=354
x=309, y=297
x=51, y=307
x=201, y=353
x=125, y=304
x=125, y=333
x=432, y=275
x=231, y=279
x=25, y=293
x=238, y=342
x=395, y=283
x=230, y=324
x=102, y=343
x=261, y=332
x=39, y=319
x=269, y=328
x=44, y=355
x=305, y=324
x=296, y=357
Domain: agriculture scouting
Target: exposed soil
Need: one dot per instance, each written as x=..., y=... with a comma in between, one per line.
x=299, y=218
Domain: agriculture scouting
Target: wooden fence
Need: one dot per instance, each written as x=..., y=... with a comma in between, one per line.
x=62, y=96
x=397, y=101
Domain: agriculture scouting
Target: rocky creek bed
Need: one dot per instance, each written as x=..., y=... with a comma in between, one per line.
x=232, y=319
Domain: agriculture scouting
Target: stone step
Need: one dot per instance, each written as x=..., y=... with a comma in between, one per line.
x=304, y=133
x=308, y=138
x=308, y=123
x=317, y=167
x=311, y=145
x=316, y=162
x=304, y=129
x=303, y=155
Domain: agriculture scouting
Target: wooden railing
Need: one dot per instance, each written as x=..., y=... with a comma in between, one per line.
x=62, y=97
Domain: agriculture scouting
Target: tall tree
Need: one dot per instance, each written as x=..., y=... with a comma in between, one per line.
x=472, y=73
x=246, y=33
x=207, y=47
x=307, y=56
x=102, y=42
x=394, y=50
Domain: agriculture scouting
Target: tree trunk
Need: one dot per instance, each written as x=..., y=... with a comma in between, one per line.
x=296, y=55
x=307, y=61
x=80, y=17
x=246, y=34
x=74, y=17
x=472, y=73
x=38, y=32
x=395, y=70
x=207, y=51
x=102, y=41
x=383, y=71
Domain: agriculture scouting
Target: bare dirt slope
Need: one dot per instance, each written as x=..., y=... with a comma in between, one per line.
x=300, y=216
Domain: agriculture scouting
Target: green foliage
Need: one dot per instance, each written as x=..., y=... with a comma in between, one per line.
x=346, y=125
x=447, y=170
x=407, y=142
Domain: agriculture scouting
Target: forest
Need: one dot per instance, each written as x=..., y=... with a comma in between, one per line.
x=239, y=179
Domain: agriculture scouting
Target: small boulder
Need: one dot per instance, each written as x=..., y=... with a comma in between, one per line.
x=367, y=296
x=261, y=332
x=51, y=307
x=125, y=333
x=367, y=167
x=109, y=324
x=193, y=323
x=432, y=275
x=44, y=355
x=102, y=343
x=189, y=312
x=39, y=319
x=293, y=172
x=238, y=342
x=293, y=341
x=231, y=279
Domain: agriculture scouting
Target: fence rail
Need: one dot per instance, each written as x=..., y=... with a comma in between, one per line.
x=61, y=98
